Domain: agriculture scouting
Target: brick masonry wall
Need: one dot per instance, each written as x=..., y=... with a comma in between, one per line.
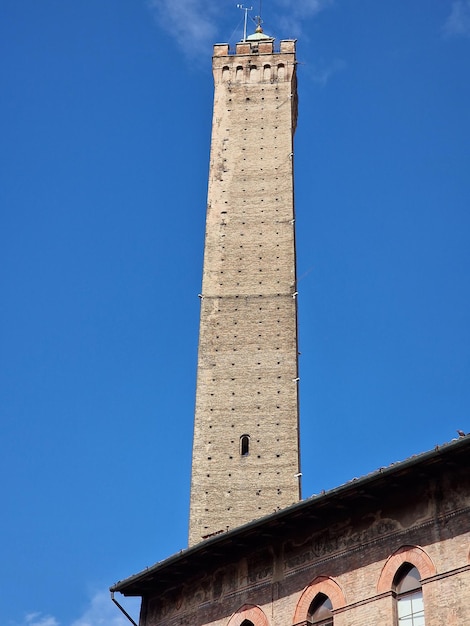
x=247, y=363
x=352, y=552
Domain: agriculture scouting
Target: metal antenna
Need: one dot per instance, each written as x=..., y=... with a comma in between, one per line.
x=246, y=9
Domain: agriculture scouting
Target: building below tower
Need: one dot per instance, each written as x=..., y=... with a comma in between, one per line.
x=392, y=549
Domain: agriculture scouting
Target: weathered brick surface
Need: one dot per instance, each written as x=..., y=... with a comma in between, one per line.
x=247, y=363
x=352, y=555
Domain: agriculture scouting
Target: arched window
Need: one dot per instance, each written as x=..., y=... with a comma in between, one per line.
x=320, y=611
x=239, y=74
x=245, y=445
x=318, y=601
x=407, y=586
x=248, y=615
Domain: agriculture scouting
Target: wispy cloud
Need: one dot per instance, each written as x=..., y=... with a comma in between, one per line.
x=321, y=72
x=100, y=612
x=196, y=27
x=303, y=8
x=292, y=15
x=458, y=22
x=36, y=619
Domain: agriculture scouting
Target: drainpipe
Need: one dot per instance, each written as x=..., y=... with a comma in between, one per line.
x=122, y=609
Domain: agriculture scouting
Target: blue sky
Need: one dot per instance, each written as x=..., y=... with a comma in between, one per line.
x=101, y=239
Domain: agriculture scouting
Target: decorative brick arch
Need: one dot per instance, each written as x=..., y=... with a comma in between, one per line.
x=406, y=554
x=321, y=584
x=250, y=612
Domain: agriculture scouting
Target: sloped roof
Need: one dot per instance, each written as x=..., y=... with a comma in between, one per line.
x=175, y=569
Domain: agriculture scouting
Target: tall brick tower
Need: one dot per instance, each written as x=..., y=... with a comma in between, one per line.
x=245, y=449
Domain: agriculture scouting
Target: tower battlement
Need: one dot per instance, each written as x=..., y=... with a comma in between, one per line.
x=286, y=46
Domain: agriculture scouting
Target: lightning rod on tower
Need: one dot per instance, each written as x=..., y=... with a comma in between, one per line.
x=246, y=9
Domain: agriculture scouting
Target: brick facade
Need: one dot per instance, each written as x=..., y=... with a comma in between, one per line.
x=347, y=544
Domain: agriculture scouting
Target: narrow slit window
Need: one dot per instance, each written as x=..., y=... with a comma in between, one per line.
x=244, y=445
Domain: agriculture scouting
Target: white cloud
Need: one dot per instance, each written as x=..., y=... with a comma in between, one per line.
x=197, y=26
x=36, y=619
x=304, y=8
x=458, y=22
x=321, y=72
x=100, y=612
x=293, y=14
x=193, y=25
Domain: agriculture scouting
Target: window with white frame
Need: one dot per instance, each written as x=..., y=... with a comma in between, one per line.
x=409, y=596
